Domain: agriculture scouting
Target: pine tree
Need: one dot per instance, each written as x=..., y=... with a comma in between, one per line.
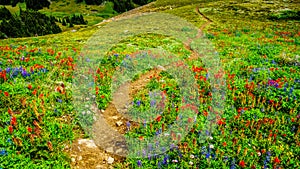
x=64, y=22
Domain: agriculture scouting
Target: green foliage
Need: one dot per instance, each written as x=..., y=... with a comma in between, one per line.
x=123, y=5
x=37, y=4
x=4, y=13
x=94, y=2
x=142, y=2
x=286, y=15
x=28, y=23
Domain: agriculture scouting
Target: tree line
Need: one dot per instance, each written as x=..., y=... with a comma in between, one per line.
x=119, y=5
x=27, y=23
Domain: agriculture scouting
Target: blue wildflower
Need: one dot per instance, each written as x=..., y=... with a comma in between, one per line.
x=59, y=100
x=207, y=155
x=138, y=103
x=139, y=163
x=150, y=147
x=291, y=90
x=144, y=153
x=207, y=132
x=152, y=103
x=3, y=152
x=88, y=60
x=8, y=70
x=165, y=162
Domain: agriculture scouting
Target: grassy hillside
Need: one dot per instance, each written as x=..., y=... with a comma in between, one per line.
x=256, y=42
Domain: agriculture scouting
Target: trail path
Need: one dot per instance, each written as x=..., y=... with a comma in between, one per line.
x=84, y=153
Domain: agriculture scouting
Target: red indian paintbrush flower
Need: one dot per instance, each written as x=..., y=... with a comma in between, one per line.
x=276, y=160
x=49, y=144
x=242, y=164
x=29, y=129
x=6, y=94
x=10, y=129
x=224, y=144
x=29, y=87
x=158, y=118
x=13, y=121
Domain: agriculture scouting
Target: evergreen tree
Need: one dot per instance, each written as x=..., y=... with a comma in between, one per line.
x=64, y=22
x=5, y=13
x=37, y=4
x=71, y=25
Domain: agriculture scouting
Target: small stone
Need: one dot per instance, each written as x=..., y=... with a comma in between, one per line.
x=102, y=110
x=119, y=123
x=110, y=150
x=161, y=68
x=79, y=158
x=110, y=160
x=114, y=117
x=87, y=142
x=99, y=167
x=73, y=160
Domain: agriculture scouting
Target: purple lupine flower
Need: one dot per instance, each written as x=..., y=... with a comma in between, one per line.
x=8, y=70
x=152, y=103
x=165, y=162
x=139, y=163
x=24, y=73
x=144, y=153
x=232, y=164
x=150, y=147
x=159, y=164
x=138, y=103
x=88, y=60
x=207, y=155
x=157, y=132
x=157, y=143
x=207, y=75
x=291, y=90
x=59, y=100
x=128, y=125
